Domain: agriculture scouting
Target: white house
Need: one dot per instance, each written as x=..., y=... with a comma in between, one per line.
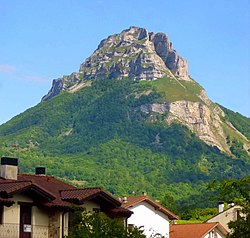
x=152, y=217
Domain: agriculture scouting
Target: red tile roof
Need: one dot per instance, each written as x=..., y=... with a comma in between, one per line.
x=194, y=230
x=80, y=195
x=50, y=185
x=134, y=200
x=57, y=193
x=9, y=186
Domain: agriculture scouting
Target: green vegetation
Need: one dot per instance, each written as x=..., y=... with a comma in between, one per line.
x=241, y=123
x=175, y=90
x=100, y=135
x=98, y=225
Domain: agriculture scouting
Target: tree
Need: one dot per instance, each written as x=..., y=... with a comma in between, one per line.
x=98, y=225
x=240, y=191
x=169, y=202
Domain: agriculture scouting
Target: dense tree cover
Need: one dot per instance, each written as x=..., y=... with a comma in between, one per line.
x=100, y=136
x=240, y=122
x=239, y=192
x=98, y=225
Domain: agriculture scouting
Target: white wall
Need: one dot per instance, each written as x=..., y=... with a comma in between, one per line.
x=217, y=234
x=89, y=205
x=153, y=221
x=40, y=223
x=12, y=213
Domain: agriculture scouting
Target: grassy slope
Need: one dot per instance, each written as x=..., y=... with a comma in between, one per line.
x=175, y=90
x=241, y=123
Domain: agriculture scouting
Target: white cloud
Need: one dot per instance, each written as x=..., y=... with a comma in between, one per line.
x=7, y=68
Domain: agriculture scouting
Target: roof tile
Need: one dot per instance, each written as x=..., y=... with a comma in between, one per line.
x=193, y=230
x=58, y=193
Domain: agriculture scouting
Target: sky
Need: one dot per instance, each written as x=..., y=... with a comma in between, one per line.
x=45, y=39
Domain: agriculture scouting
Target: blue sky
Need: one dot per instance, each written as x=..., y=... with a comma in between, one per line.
x=43, y=39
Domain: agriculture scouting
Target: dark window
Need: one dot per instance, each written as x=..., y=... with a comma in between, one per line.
x=238, y=214
x=96, y=210
x=1, y=214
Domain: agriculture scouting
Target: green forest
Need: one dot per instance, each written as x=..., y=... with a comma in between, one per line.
x=100, y=137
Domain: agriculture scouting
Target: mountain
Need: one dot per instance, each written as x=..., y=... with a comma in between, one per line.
x=132, y=119
x=138, y=54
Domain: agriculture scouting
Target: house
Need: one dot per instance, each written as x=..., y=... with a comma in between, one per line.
x=202, y=230
x=38, y=205
x=232, y=213
x=152, y=217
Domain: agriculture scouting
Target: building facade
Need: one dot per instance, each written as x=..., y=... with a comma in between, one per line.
x=39, y=206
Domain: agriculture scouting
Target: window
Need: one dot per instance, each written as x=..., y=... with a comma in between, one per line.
x=1, y=214
x=238, y=214
x=211, y=234
x=96, y=210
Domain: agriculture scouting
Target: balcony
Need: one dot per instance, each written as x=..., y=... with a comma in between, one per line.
x=12, y=231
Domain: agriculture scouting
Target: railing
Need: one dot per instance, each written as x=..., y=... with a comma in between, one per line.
x=12, y=231
x=9, y=231
x=40, y=231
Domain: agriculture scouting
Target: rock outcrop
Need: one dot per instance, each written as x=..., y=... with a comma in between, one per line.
x=135, y=53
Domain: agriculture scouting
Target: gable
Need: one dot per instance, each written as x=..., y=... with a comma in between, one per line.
x=144, y=209
x=134, y=200
x=226, y=216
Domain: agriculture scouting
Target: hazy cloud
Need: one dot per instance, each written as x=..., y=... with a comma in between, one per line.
x=7, y=68
x=20, y=74
x=34, y=79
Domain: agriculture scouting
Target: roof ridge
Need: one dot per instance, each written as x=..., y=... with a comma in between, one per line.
x=17, y=181
x=145, y=198
x=235, y=206
x=202, y=223
x=38, y=175
x=73, y=189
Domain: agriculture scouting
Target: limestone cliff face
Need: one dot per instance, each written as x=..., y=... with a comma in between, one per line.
x=201, y=119
x=134, y=53
x=204, y=118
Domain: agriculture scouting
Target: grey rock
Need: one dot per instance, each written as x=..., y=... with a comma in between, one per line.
x=134, y=53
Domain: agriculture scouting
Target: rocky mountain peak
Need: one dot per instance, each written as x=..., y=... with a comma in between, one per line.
x=135, y=53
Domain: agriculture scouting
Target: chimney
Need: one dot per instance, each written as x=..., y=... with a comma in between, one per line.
x=124, y=199
x=221, y=207
x=9, y=168
x=144, y=193
x=40, y=170
x=230, y=204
